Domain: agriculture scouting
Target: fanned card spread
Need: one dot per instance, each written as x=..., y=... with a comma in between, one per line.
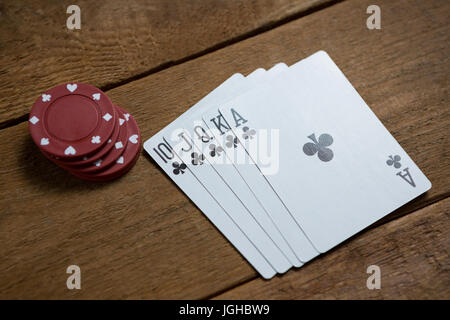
x=287, y=162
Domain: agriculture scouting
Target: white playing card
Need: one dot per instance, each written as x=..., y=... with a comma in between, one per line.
x=184, y=147
x=215, y=154
x=162, y=153
x=255, y=184
x=340, y=170
x=258, y=73
x=260, y=187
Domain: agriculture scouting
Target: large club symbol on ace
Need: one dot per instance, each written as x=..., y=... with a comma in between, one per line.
x=319, y=146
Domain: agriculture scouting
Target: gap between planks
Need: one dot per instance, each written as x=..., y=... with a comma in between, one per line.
x=221, y=45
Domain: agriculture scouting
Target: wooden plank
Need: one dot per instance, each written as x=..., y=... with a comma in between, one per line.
x=412, y=253
x=116, y=41
x=140, y=237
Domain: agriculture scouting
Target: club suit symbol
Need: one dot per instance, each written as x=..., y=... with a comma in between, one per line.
x=178, y=168
x=231, y=141
x=197, y=159
x=319, y=146
x=248, y=133
x=394, y=160
x=215, y=150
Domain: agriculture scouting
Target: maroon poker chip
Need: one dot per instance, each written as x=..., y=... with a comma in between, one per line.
x=118, y=147
x=110, y=177
x=89, y=159
x=125, y=161
x=78, y=128
x=72, y=120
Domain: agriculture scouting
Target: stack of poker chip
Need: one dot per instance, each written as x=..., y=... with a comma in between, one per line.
x=77, y=127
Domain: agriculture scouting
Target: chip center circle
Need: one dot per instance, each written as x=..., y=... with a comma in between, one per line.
x=72, y=117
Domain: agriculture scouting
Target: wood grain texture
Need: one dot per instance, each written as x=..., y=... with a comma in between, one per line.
x=140, y=237
x=412, y=253
x=116, y=41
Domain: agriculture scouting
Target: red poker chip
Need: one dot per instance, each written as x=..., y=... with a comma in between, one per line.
x=125, y=161
x=116, y=175
x=89, y=159
x=118, y=147
x=72, y=120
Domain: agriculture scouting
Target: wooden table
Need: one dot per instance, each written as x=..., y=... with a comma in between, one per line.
x=140, y=236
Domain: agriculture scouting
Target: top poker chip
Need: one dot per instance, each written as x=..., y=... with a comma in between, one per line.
x=72, y=120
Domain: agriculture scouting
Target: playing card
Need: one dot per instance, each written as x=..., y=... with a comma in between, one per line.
x=257, y=74
x=258, y=184
x=161, y=151
x=225, y=150
x=213, y=152
x=227, y=192
x=339, y=169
